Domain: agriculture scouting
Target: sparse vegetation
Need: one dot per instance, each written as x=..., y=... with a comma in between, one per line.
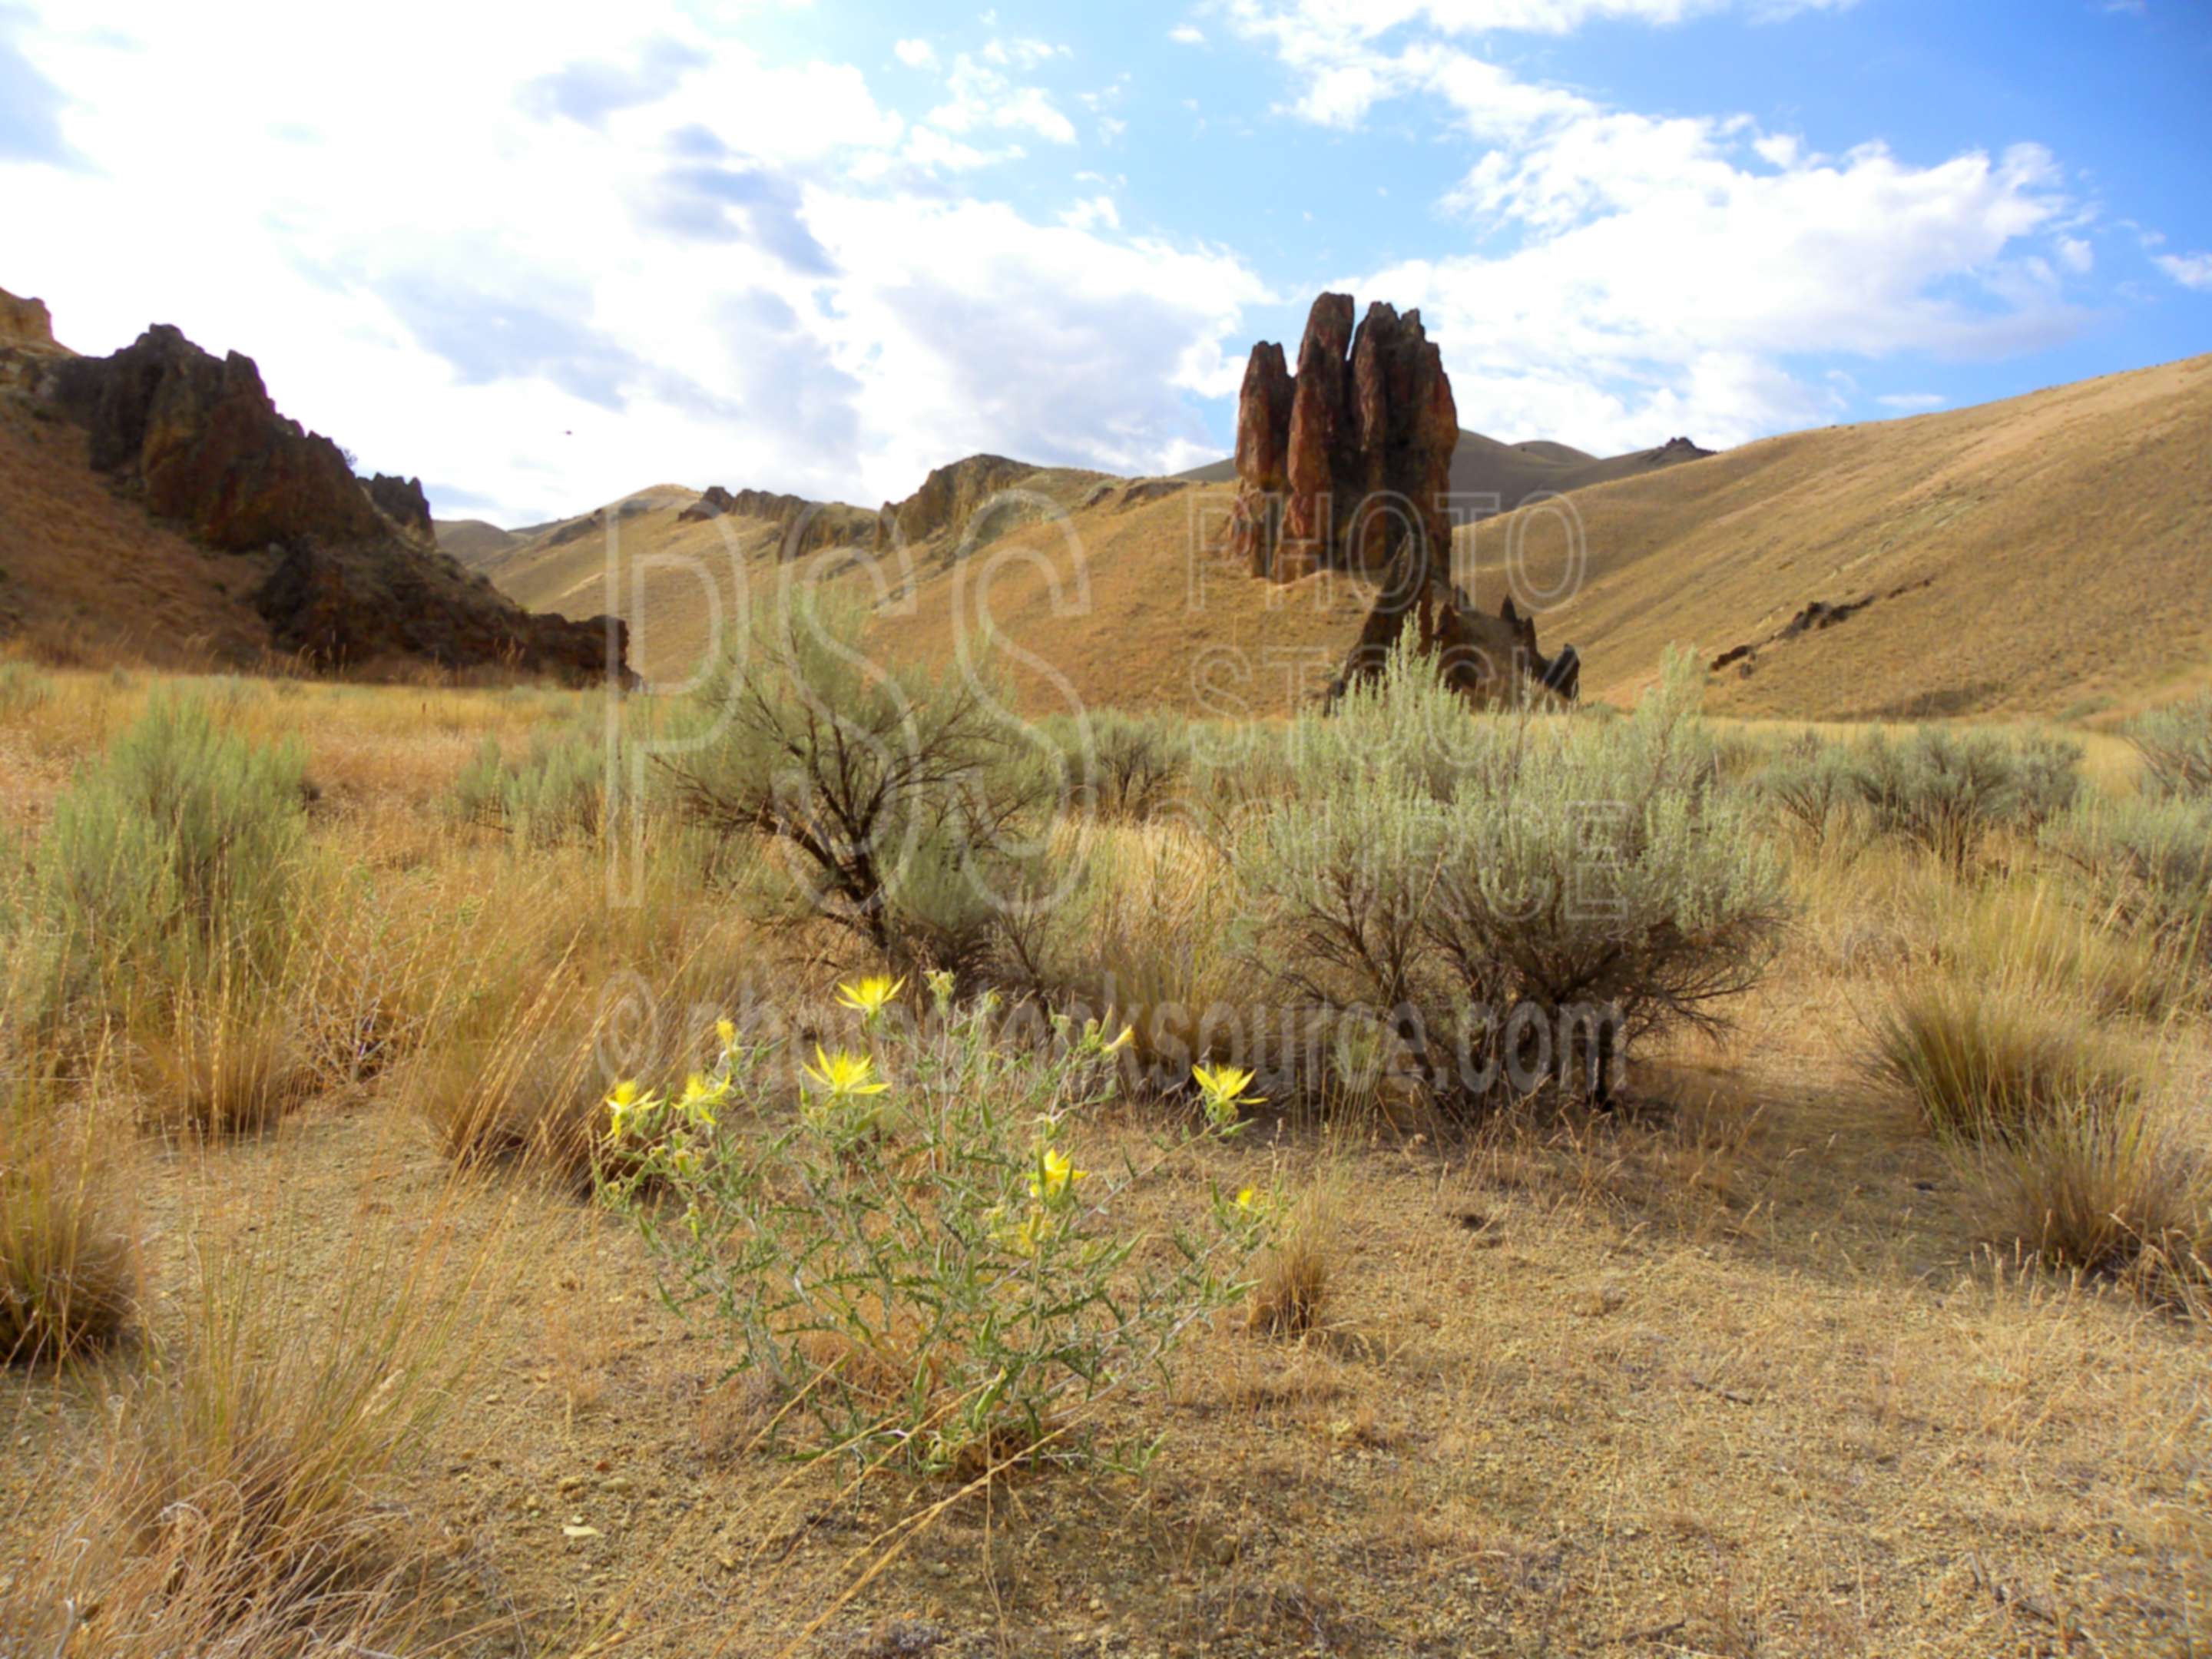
x=1949, y=791
x=1358, y=1302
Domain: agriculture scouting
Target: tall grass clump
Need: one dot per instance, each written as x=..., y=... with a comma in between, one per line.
x=23, y=691
x=1949, y=791
x=1520, y=899
x=1984, y=1059
x=916, y=1261
x=245, y=1503
x=68, y=1275
x=177, y=853
x=2065, y=1146
x=909, y=810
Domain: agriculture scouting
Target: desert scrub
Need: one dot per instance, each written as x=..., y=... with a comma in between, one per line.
x=177, y=851
x=23, y=691
x=1949, y=791
x=1520, y=898
x=2148, y=858
x=1122, y=766
x=2176, y=745
x=1808, y=784
x=913, y=1260
x=910, y=812
x=568, y=786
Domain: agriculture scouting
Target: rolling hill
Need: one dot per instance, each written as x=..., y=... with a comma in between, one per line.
x=2047, y=555
x=2043, y=556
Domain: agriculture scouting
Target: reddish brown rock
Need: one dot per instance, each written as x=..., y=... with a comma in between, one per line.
x=948, y=497
x=803, y=527
x=1347, y=465
x=360, y=588
x=200, y=437
x=402, y=500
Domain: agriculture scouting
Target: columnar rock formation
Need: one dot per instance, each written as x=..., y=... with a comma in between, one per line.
x=1347, y=466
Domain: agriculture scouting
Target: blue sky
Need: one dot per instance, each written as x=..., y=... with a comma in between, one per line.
x=824, y=247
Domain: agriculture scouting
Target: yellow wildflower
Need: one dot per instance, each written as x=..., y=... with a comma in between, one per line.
x=726, y=1030
x=1022, y=1238
x=1223, y=1088
x=1244, y=1199
x=1056, y=1174
x=869, y=997
x=701, y=1098
x=842, y=1075
x=622, y=1106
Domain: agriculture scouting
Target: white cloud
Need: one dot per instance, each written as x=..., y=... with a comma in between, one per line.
x=629, y=250
x=1659, y=273
x=916, y=54
x=978, y=96
x=1913, y=403
x=1097, y=210
x=2076, y=255
x=1187, y=35
x=2190, y=270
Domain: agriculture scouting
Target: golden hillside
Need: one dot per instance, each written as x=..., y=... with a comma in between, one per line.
x=2042, y=555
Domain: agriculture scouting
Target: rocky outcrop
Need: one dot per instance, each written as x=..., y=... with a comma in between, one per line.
x=804, y=526
x=359, y=607
x=357, y=584
x=948, y=499
x=29, y=351
x=1346, y=465
x=199, y=437
x=402, y=500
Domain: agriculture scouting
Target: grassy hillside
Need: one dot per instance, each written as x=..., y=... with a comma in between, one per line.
x=2044, y=555
x=2033, y=558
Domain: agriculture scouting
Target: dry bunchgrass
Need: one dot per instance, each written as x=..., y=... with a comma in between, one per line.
x=1293, y=1278
x=69, y=1278
x=240, y=1501
x=230, y=1062
x=1984, y=1060
x=2107, y=1186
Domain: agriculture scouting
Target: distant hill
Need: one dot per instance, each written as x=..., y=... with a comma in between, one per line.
x=472, y=541
x=2042, y=556
x=2046, y=554
x=1511, y=473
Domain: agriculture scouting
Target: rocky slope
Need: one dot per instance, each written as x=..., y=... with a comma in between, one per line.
x=343, y=573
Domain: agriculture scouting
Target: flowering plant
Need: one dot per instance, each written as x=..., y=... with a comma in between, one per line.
x=914, y=1258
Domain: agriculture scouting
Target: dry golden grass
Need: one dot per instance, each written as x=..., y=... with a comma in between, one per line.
x=2002, y=575
x=1733, y=1369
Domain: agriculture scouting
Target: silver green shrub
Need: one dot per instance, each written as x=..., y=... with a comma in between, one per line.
x=1519, y=898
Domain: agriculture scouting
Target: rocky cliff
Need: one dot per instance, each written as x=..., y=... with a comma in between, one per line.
x=948, y=499
x=197, y=441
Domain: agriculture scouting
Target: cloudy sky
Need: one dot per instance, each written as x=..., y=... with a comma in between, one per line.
x=544, y=256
